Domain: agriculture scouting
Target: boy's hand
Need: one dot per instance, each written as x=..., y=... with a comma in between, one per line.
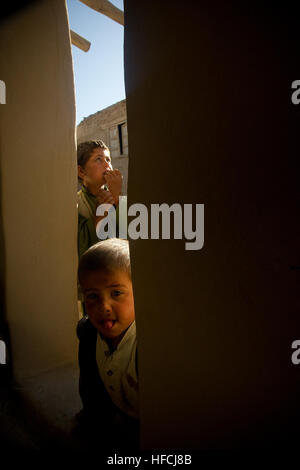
x=103, y=197
x=113, y=179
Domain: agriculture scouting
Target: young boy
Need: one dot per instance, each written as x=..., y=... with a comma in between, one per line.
x=108, y=383
x=100, y=184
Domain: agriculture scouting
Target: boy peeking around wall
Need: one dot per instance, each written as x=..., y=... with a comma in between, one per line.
x=108, y=383
x=100, y=184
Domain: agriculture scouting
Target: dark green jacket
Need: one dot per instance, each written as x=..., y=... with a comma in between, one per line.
x=87, y=205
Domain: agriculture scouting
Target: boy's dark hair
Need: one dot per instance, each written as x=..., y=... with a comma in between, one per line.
x=85, y=149
x=106, y=255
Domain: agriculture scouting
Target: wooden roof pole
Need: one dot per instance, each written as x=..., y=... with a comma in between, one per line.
x=79, y=41
x=104, y=7
x=107, y=9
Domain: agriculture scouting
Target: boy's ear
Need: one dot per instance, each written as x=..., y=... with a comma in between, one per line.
x=80, y=171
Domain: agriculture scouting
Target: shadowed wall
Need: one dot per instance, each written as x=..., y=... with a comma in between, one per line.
x=210, y=120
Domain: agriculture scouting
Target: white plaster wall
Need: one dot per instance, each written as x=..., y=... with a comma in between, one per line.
x=38, y=188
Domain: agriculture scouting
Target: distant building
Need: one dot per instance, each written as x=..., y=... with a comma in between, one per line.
x=110, y=125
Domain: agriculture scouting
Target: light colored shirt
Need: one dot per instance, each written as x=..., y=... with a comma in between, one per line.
x=118, y=371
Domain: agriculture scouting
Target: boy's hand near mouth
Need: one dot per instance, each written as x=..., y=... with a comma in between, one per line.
x=113, y=179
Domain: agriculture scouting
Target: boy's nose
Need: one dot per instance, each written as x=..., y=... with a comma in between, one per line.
x=104, y=306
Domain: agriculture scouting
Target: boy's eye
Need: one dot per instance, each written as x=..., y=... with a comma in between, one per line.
x=91, y=296
x=116, y=293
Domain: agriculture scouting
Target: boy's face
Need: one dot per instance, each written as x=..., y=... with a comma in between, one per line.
x=109, y=301
x=94, y=170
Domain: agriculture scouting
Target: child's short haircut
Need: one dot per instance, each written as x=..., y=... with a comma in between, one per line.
x=108, y=255
x=85, y=149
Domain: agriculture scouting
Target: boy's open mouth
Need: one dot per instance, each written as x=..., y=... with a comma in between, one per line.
x=107, y=324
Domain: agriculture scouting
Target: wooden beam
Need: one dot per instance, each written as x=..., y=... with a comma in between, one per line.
x=79, y=41
x=107, y=9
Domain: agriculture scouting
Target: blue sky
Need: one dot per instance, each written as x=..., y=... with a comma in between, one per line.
x=99, y=73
